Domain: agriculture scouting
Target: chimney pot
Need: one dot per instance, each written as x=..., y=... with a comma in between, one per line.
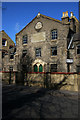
x=71, y=14
x=65, y=17
x=65, y=14
x=38, y=15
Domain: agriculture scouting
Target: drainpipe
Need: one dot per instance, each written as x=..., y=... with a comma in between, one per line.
x=68, y=56
x=70, y=42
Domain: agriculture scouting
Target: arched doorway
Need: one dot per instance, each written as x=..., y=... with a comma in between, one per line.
x=35, y=68
x=40, y=68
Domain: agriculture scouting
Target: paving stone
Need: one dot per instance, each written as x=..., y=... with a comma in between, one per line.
x=32, y=102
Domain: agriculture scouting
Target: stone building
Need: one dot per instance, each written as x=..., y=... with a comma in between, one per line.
x=48, y=45
x=7, y=50
x=53, y=45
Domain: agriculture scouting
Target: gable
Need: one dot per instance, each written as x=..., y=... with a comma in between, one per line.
x=39, y=18
x=8, y=40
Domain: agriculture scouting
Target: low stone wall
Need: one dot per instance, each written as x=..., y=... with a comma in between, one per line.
x=35, y=79
x=63, y=81
x=8, y=77
x=57, y=81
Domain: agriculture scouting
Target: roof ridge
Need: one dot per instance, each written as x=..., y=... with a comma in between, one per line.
x=26, y=25
x=36, y=17
x=76, y=19
x=51, y=18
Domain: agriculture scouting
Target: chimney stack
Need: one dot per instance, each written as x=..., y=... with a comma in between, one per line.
x=65, y=17
x=72, y=22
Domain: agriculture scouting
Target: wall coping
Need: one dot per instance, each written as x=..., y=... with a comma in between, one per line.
x=41, y=72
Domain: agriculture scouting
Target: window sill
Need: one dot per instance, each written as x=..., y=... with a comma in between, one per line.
x=16, y=55
x=11, y=59
x=53, y=40
x=4, y=45
x=38, y=56
x=54, y=56
x=25, y=44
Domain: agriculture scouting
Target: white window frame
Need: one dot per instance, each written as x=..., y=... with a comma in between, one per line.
x=54, y=34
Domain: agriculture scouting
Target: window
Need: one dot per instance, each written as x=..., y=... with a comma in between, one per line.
x=53, y=67
x=78, y=69
x=53, y=51
x=4, y=42
x=38, y=52
x=35, y=68
x=24, y=53
x=78, y=49
x=11, y=68
x=11, y=55
x=54, y=34
x=3, y=54
x=11, y=46
x=14, y=51
x=25, y=39
x=40, y=68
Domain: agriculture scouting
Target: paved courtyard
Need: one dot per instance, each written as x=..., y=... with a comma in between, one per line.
x=33, y=102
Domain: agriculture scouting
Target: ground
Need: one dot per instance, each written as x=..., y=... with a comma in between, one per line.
x=34, y=102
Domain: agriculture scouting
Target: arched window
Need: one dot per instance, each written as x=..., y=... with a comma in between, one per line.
x=40, y=68
x=35, y=68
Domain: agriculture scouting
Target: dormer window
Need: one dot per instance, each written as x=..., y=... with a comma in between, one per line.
x=4, y=42
x=54, y=34
x=25, y=39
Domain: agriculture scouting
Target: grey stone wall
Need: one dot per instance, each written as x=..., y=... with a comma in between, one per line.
x=56, y=81
x=42, y=39
x=46, y=45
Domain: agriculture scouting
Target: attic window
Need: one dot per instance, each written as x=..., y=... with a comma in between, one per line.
x=25, y=39
x=4, y=42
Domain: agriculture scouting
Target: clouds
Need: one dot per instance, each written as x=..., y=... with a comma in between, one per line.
x=17, y=27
